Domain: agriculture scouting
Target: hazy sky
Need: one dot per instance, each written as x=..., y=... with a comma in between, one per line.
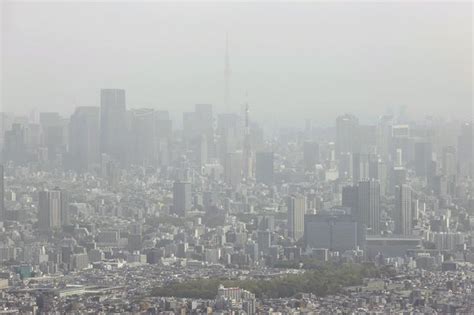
x=295, y=60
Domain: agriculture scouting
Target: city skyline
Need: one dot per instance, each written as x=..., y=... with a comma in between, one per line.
x=349, y=67
x=236, y=158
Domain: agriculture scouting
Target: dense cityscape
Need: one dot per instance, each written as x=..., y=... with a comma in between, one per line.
x=236, y=157
x=115, y=210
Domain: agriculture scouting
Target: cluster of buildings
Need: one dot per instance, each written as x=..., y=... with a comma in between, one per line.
x=110, y=188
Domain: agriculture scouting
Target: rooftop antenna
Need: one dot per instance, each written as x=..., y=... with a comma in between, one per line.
x=227, y=74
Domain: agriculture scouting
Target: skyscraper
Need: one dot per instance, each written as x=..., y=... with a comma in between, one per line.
x=164, y=125
x=264, y=241
x=346, y=165
x=384, y=136
x=403, y=210
x=54, y=128
x=247, y=148
x=144, y=141
x=65, y=210
x=230, y=131
x=350, y=197
x=233, y=169
x=360, y=167
x=378, y=170
x=296, y=205
x=2, y=193
x=113, y=126
x=369, y=206
x=204, y=118
x=164, y=132
x=181, y=198
x=466, y=149
x=190, y=126
x=53, y=209
x=84, y=138
x=15, y=149
x=448, y=161
x=346, y=134
x=264, y=168
x=423, y=158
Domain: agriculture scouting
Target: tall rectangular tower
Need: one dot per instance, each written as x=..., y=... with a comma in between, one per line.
x=84, y=138
x=369, y=206
x=403, y=210
x=347, y=127
x=296, y=205
x=52, y=209
x=2, y=193
x=181, y=198
x=233, y=169
x=113, y=126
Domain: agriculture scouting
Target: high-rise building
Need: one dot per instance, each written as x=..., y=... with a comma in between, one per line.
x=164, y=132
x=398, y=176
x=296, y=205
x=144, y=141
x=448, y=162
x=53, y=128
x=264, y=167
x=350, y=199
x=230, y=130
x=113, y=123
x=346, y=165
x=369, y=206
x=15, y=148
x=423, y=158
x=233, y=169
x=190, y=126
x=49, y=210
x=310, y=155
x=360, y=168
x=198, y=133
x=199, y=122
x=164, y=125
x=53, y=209
x=33, y=138
x=2, y=193
x=181, y=198
x=378, y=170
x=204, y=119
x=384, y=136
x=403, y=210
x=398, y=157
x=264, y=241
x=346, y=134
x=65, y=209
x=84, y=131
x=466, y=150
x=201, y=150
x=247, y=148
